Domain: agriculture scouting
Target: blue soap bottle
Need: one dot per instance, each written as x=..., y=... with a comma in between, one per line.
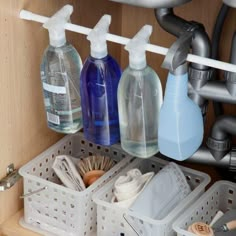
x=98, y=87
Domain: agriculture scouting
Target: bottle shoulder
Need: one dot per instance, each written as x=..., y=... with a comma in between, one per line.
x=64, y=51
x=146, y=73
x=102, y=66
x=65, y=54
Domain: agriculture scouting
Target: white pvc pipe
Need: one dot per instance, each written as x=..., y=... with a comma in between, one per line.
x=27, y=15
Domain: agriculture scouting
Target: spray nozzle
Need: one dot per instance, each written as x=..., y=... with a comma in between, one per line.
x=177, y=54
x=97, y=37
x=56, y=26
x=137, y=47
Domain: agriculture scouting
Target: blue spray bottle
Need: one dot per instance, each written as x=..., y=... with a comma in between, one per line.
x=180, y=130
x=99, y=82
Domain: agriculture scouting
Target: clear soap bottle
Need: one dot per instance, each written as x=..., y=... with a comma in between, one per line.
x=100, y=77
x=60, y=75
x=139, y=100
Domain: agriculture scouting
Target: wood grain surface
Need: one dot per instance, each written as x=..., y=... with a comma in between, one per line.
x=24, y=132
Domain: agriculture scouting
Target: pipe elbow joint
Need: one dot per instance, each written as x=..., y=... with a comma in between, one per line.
x=219, y=141
x=201, y=44
x=175, y=25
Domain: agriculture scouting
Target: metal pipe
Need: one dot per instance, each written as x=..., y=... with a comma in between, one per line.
x=231, y=77
x=204, y=156
x=176, y=26
x=214, y=90
x=223, y=127
x=219, y=141
x=170, y=22
x=199, y=74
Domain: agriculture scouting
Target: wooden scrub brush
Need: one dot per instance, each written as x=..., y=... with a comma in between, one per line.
x=93, y=167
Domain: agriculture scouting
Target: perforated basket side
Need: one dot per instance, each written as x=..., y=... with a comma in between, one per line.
x=220, y=196
x=197, y=180
x=75, y=145
x=58, y=209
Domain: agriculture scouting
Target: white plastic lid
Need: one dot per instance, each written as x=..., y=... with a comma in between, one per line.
x=56, y=26
x=137, y=47
x=97, y=37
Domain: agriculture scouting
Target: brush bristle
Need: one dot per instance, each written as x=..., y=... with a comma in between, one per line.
x=95, y=162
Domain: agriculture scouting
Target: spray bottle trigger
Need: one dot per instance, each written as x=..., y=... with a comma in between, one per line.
x=178, y=52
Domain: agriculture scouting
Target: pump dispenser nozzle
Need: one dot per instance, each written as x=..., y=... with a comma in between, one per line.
x=137, y=47
x=56, y=26
x=97, y=37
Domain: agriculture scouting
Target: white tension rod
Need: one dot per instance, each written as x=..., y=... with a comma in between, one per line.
x=27, y=15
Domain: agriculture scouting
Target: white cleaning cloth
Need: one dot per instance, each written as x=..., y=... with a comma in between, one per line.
x=163, y=193
x=67, y=173
x=128, y=187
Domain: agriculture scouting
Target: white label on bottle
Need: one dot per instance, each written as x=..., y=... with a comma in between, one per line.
x=47, y=102
x=54, y=89
x=53, y=118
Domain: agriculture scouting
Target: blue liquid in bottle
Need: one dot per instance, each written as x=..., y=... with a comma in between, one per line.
x=99, y=83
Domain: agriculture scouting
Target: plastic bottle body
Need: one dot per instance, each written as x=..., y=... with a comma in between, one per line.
x=99, y=83
x=139, y=102
x=181, y=122
x=60, y=76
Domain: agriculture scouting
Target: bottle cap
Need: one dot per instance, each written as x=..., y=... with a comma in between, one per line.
x=137, y=47
x=56, y=26
x=201, y=229
x=97, y=37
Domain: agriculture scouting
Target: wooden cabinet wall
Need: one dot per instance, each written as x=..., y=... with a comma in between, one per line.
x=24, y=133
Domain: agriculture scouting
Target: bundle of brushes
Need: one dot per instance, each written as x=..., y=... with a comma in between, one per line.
x=93, y=167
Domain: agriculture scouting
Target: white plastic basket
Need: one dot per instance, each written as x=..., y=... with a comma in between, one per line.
x=115, y=221
x=55, y=208
x=220, y=196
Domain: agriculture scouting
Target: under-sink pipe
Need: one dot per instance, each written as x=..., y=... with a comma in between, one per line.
x=219, y=141
x=199, y=74
x=233, y=50
x=216, y=36
x=219, y=90
x=223, y=127
x=231, y=77
x=215, y=91
x=218, y=29
x=204, y=156
x=176, y=26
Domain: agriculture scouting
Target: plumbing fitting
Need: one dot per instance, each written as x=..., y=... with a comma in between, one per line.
x=215, y=91
x=204, y=156
x=219, y=142
x=199, y=74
